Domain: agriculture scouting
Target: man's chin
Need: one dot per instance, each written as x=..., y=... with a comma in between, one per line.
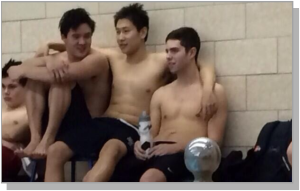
x=172, y=71
x=10, y=105
x=124, y=51
x=82, y=55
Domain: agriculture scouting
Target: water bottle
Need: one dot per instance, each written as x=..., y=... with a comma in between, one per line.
x=144, y=131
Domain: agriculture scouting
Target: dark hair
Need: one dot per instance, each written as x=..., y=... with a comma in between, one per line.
x=188, y=38
x=136, y=14
x=73, y=18
x=10, y=63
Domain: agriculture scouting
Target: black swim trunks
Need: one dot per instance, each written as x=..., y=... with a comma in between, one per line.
x=86, y=136
x=130, y=169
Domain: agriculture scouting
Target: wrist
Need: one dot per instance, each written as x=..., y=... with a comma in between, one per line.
x=208, y=88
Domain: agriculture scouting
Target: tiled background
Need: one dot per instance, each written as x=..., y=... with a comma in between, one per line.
x=250, y=44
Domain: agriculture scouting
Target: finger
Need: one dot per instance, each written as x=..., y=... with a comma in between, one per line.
x=203, y=112
x=54, y=75
x=150, y=155
x=158, y=151
x=58, y=78
x=66, y=77
x=208, y=112
x=140, y=150
x=213, y=109
x=152, y=150
x=140, y=156
x=143, y=157
x=62, y=75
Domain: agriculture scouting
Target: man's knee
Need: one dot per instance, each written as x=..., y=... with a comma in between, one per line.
x=289, y=153
x=115, y=148
x=153, y=175
x=64, y=85
x=34, y=85
x=59, y=152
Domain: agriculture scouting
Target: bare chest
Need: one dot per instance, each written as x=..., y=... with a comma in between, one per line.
x=140, y=78
x=182, y=104
x=12, y=118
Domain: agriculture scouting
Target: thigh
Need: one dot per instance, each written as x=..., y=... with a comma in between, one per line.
x=172, y=166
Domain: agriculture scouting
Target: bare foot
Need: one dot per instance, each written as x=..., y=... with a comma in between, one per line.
x=41, y=150
x=28, y=150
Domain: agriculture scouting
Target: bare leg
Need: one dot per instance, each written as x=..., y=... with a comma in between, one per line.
x=109, y=157
x=59, y=102
x=57, y=156
x=153, y=175
x=35, y=105
x=289, y=153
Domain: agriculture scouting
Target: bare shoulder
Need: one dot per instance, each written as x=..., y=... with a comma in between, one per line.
x=110, y=53
x=98, y=56
x=160, y=57
x=164, y=90
x=56, y=57
x=159, y=93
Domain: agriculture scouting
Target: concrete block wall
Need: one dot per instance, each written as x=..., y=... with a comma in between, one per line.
x=250, y=44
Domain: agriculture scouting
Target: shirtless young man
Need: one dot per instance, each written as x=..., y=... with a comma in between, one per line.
x=136, y=75
x=15, y=130
x=174, y=111
x=78, y=90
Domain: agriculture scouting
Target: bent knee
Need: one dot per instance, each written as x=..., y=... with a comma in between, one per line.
x=289, y=153
x=59, y=150
x=115, y=144
x=66, y=86
x=114, y=148
x=33, y=85
x=153, y=175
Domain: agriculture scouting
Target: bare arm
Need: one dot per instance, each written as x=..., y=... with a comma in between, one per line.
x=33, y=68
x=207, y=74
x=93, y=64
x=53, y=45
x=155, y=112
x=60, y=46
x=35, y=62
x=216, y=125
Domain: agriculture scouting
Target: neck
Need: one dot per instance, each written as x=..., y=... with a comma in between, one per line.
x=137, y=56
x=73, y=58
x=7, y=108
x=188, y=75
